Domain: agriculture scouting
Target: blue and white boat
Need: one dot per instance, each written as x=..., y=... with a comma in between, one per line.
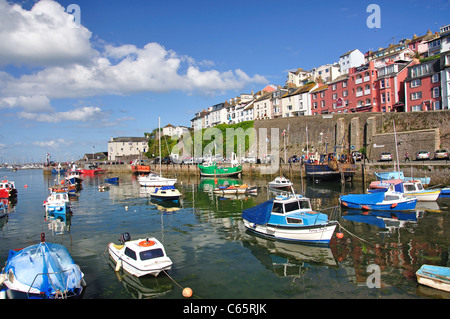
x=42, y=271
x=399, y=175
x=413, y=188
x=289, y=218
x=434, y=276
x=382, y=200
x=165, y=193
x=57, y=204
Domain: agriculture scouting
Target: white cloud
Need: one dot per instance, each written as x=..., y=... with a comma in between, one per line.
x=47, y=36
x=44, y=35
x=83, y=114
x=34, y=103
x=53, y=143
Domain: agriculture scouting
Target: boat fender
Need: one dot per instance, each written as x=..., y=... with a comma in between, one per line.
x=394, y=205
x=118, y=265
x=146, y=243
x=365, y=207
x=344, y=204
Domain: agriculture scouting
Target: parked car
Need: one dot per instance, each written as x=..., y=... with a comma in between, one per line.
x=385, y=156
x=422, y=155
x=441, y=154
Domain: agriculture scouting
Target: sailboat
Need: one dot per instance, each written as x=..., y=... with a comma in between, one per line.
x=153, y=179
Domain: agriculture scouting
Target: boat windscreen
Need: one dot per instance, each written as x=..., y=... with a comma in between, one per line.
x=150, y=254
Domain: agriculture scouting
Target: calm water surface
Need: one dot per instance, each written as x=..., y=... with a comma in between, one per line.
x=215, y=256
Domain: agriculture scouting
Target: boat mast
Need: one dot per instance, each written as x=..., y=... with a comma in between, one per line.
x=396, y=147
x=159, y=142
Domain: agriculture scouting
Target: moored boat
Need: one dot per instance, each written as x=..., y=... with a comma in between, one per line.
x=385, y=200
x=165, y=193
x=289, y=218
x=140, y=257
x=411, y=189
x=219, y=171
x=7, y=189
x=280, y=182
x=381, y=176
x=112, y=180
x=57, y=203
x=155, y=180
x=44, y=271
x=92, y=169
x=235, y=189
x=434, y=276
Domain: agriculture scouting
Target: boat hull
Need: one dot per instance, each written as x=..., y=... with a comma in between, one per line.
x=424, y=196
x=325, y=172
x=434, y=276
x=406, y=205
x=135, y=270
x=213, y=170
x=316, y=234
x=157, y=183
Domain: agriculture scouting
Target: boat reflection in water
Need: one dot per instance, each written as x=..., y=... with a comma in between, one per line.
x=287, y=259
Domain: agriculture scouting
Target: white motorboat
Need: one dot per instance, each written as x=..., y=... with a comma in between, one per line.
x=140, y=257
x=280, y=182
x=165, y=193
x=155, y=180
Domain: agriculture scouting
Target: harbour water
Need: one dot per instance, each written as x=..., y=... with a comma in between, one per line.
x=214, y=255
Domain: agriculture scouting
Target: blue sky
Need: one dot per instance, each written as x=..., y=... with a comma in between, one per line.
x=67, y=88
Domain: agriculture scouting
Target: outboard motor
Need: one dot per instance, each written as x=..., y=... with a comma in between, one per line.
x=125, y=237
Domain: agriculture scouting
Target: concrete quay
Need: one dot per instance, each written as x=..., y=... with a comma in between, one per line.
x=438, y=171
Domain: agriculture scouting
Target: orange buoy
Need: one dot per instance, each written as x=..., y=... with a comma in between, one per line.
x=187, y=292
x=340, y=235
x=146, y=243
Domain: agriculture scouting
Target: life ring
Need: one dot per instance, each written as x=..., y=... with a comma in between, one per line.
x=146, y=243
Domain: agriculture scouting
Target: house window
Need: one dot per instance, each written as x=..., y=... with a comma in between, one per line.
x=344, y=84
x=435, y=78
x=383, y=98
x=416, y=96
x=334, y=87
x=345, y=93
x=435, y=92
x=415, y=83
x=322, y=94
x=322, y=103
x=416, y=108
x=437, y=105
x=334, y=96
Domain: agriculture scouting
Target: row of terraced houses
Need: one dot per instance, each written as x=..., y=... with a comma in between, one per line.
x=412, y=75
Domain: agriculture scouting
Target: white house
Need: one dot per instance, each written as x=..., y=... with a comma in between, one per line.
x=350, y=59
x=326, y=72
x=171, y=130
x=297, y=101
x=126, y=146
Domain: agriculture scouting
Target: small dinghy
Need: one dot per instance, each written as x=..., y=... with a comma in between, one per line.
x=42, y=271
x=434, y=276
x=140, y=257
